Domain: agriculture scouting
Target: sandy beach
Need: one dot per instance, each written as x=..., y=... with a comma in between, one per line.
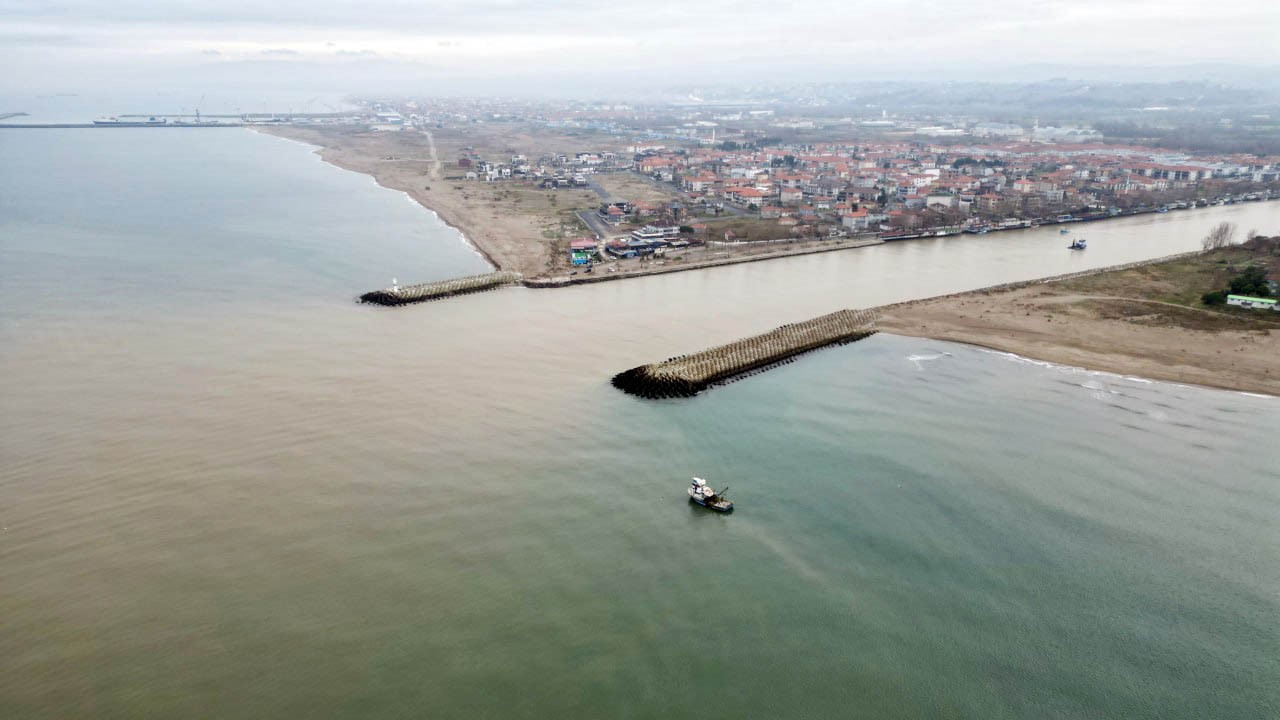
x=513, y=228
x=1128, y=322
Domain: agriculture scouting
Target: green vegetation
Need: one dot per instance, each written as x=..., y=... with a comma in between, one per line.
x=1251, y=281
x=962, y=162
x=1192, y=281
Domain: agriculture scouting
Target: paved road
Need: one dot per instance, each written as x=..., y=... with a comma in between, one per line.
x=591, y=183
x=596, y=223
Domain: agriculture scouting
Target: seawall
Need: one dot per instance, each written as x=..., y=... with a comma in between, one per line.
x=406, y=294
x=688, y=375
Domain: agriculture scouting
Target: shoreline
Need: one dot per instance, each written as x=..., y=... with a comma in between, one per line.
x=454, y=213
x=493, y=266
x=544, y=281
x=1148, y=340
x=531, y=258
x=1063, y=321
x=568, y=280
x=326, y=155
x=1102, y=363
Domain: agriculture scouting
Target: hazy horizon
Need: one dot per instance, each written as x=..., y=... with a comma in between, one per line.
x=574, y=47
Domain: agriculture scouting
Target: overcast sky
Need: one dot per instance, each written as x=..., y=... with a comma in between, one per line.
x=504, y=45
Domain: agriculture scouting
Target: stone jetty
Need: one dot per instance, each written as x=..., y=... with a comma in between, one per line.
x=405, y=294
x=688, y=375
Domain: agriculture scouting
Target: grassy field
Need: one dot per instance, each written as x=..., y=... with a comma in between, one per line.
x=1181, y=282
x=746, y=229
x=634, y=188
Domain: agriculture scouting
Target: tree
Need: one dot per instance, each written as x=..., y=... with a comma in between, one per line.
x=1219, y=237
x=1217, y=297
x=1251, y=281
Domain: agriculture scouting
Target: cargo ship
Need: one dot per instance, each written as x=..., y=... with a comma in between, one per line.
x=113, y=120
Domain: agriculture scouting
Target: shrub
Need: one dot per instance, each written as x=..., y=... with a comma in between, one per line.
x=1252, y=281
x=1217, y=297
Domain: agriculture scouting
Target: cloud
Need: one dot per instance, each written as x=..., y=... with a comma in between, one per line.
x=210, y=51
x=37, y=39
x=488, y=40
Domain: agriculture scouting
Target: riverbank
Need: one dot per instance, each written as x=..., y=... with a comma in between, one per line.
x=1143, y=319
x=662, y=267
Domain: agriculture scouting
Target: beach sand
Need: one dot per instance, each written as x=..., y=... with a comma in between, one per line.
x=514, y=227
x=1127, y=322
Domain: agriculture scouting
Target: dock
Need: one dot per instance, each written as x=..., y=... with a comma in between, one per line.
x=406, y=294
x=689, y=375
x=92, y=126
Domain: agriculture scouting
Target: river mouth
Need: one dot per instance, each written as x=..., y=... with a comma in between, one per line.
x=231, y=491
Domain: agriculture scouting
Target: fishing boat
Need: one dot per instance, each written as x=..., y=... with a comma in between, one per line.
x=706, y=496
x=1078, y=244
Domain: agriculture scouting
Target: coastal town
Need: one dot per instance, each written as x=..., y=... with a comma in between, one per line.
x=657, y=189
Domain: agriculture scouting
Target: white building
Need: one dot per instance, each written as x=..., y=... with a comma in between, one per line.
x=1252, y=302
x=651, y=233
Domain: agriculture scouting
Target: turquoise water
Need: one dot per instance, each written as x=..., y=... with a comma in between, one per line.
x=228, y=491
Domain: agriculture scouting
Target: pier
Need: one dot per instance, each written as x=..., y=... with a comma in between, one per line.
x=405, y=294
x=689, y=375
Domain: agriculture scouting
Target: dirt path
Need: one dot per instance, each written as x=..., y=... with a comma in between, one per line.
x=436, y=167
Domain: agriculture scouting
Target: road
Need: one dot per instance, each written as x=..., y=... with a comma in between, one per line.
x=595, y=187
x=597, y=224
x=436, y=166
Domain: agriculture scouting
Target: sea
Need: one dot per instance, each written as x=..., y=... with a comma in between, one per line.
x=228, y=490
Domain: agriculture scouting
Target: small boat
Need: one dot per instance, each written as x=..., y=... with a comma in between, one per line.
x=1079, y=244
x=706, y=496
x=1063, y=231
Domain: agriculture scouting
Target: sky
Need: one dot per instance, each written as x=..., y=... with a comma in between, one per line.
x=608, y=49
